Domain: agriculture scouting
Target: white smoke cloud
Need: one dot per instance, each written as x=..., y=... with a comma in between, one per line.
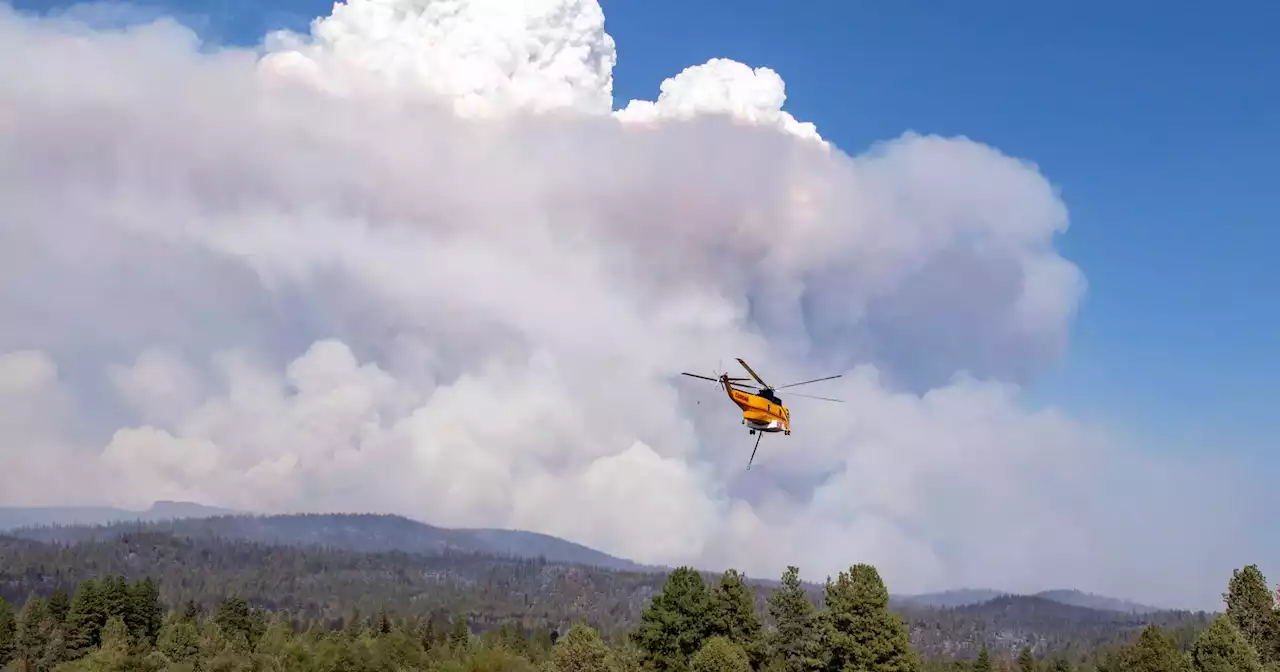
x=415, y=262
x=725, y=87
x=485, y=56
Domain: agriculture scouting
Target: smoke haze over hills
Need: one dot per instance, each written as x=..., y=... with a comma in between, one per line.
x=372, y=533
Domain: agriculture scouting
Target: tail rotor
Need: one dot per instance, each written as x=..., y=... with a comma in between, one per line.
x=722, y=379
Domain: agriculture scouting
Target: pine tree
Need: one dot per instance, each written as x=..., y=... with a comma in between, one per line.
x=1252, y=609
x=983, y=662
x=427, y=634
x=675, y=624
x=384, y=622
x=237, y=621
x=179, y=640
x=191, y=612
x=1026, y=661
x=8, y=632
x=85, y=620
x=114, y=652
x=276, y=637
x=35, y=632
x=864, y=635
x=1223, y=648
x=581, y=650
x=59, y=606
x=116, y=599
x=56, y=649
x=795, y=645
x=516, y=640
x=215, y=642
x=719, y=654
x=145, y=614
x=460, y=638
x=732, y=614
x=1154, y=650
x=541, y=641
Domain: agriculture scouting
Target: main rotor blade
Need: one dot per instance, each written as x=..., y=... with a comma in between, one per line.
x=753, y=373
x=714, y=380
x=808, y=381
x=810, y=396
x=759, y=435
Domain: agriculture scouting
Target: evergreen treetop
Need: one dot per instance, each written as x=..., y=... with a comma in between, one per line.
x=863, y=635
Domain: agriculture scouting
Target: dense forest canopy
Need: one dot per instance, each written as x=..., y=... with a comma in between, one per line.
x=155, y=600
x=152, y=600
x=381, y=532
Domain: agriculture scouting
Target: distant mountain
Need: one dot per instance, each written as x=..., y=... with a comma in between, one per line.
x=1009, y=622
x=959, y=597
x=366, y=533
x=12, y=517
x=975, y=596
x=519, y=543
x=1101, y=602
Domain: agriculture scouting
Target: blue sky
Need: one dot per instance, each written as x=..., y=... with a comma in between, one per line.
x=1156, y=120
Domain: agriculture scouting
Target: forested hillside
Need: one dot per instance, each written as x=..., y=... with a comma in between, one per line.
x=379, y=533
x=153, y=601
x=322, y=586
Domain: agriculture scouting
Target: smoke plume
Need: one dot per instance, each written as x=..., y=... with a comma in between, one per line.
x=421, y=261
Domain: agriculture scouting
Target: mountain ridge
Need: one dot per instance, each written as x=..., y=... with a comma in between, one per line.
x=373, y=532
x=365, y=532
x=963, y=597
x=13, y=517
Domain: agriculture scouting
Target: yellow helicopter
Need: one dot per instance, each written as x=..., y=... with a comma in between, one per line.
x=762, y=410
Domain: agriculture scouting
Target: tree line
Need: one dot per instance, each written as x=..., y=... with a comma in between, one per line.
x=110, y=624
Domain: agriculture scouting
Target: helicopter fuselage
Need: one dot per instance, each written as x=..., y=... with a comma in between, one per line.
x=761, y=413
